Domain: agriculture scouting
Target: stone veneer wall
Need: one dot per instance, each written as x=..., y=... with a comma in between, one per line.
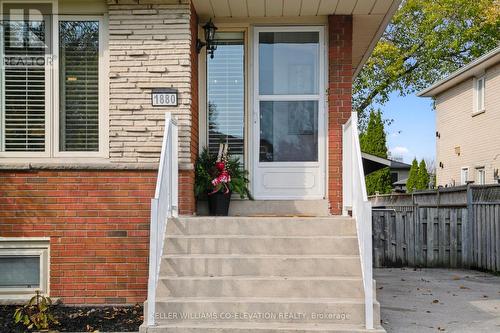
x=150, y=46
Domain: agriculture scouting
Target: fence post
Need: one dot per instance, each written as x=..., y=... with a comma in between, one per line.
x=467, y=236
x=417, y=251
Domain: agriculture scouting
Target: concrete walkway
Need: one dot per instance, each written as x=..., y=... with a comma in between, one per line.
x=438, y=300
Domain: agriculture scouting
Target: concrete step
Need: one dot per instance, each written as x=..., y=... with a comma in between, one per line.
x=230, y=327
x=268, y=226
x=261, y=274
x=260, y=265
x=273, y=208
x=245, y=244
x=244, y=286
x=171, y=310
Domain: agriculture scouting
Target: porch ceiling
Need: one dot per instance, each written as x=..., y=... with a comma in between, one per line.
x=370, y=17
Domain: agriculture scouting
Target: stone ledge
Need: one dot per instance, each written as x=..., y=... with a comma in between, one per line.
x=87, y=166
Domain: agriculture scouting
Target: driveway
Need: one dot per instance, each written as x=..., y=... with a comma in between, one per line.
x=438, y=300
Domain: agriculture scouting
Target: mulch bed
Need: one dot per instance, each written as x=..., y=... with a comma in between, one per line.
x=82, y=319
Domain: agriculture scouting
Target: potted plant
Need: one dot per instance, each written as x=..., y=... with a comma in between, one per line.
x=217, y=177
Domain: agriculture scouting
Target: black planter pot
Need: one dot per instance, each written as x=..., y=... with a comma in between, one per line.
x=218, y=203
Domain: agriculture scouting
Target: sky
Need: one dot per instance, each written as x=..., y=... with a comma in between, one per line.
x=412, y=132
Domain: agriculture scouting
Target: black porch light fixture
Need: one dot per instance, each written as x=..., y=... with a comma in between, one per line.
x=209, y=42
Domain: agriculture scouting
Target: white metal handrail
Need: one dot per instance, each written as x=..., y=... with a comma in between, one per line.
x=356, y=200
x=163, y=206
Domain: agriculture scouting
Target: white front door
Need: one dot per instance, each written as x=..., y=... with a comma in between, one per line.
x=289, y=113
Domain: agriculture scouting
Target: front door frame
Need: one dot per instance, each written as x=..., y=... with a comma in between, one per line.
x=320, y=165
x=251, y=80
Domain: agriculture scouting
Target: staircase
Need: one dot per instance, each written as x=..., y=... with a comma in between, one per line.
x=261, y=274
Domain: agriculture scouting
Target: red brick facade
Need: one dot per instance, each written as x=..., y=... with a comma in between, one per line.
x=187, y=200
x=98, y=224
x=339, y=101
x=194, y=85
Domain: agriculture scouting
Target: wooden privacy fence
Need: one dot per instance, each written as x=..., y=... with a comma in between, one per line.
x=449, y=227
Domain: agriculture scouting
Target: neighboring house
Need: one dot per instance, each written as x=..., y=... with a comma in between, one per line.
x=468, y=123
x=399, y=171
x=85, y=86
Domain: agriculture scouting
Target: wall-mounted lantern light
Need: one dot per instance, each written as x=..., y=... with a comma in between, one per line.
x=209, y=42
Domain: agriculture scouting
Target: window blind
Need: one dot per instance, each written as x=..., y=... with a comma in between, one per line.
x=226, y=94
x=23, y=86
x=79, y=82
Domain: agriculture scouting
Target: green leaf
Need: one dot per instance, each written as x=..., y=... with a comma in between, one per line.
x=18, y=315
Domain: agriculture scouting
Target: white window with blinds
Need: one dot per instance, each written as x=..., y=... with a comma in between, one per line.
x=24, y=78
x=226, y=94
x=53, y=89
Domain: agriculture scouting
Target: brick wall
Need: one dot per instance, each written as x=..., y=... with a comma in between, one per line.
x=194, y=86
x=187, y=201
x=98, y=224
x=339, y=101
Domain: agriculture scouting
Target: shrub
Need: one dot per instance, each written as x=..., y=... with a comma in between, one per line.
x=36, y=313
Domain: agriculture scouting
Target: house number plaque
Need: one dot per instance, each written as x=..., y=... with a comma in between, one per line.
x=165, y=97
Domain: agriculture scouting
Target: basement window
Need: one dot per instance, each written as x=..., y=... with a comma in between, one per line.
x=24, y=267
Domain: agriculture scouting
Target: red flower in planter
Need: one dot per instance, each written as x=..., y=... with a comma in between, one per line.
x=220, y=173
x=220, y=166
x=221, y=181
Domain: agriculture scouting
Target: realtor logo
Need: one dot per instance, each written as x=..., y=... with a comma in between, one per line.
x=24, y=31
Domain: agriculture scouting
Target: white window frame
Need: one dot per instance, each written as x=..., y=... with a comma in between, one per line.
x=21, y=247
x=103, y=90
x=480, y=172
x=52, y=130
x=479, y=95
x=464, y=178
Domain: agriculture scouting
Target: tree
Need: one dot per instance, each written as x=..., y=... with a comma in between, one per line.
x=373, y=141
x=425, y=41
x=411, y=184
x=423, y=177
x=379, y=181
